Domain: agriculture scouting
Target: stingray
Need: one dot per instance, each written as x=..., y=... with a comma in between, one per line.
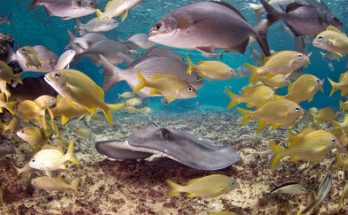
x=174, y=144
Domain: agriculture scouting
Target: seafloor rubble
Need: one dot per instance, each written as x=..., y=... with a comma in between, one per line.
x=131, y=187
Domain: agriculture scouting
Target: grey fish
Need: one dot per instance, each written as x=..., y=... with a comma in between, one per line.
x=67, y=9
x=290, y=188
x=206, y=26
x=148, y=66
x=174, y=144
x=6, y=19
x=65, y=59
x=6, y=149
x=162, y=51
x=139, y=41
x=303, y=20
x=84, y=42
x=94, y=26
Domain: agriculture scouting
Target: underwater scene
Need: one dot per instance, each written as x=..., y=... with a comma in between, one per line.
x=173, y=107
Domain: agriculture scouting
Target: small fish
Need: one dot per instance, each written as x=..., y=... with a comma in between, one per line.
x=331, y=67
x=344, y=105
x=169, y=86
x=294, y=137
x=7, y=74
x=130, y=109
x=283, y=62
x=332, y=40
x=145, y=110
x=9, y=128
x=30, y=55
x=83, y=132
x=323, y=115
x=277, y=81
x=344, y=194
x=77, y=86
x=341, y=85
x=54, y=184
x=45, y=101
x=279, y=113
x=66, y=9
x=29, y=110
x=209, y=186
x=96, y=26
x=133, y=102
x=139, y=41
x=34, y=136
x=65, y=59
x=6, y=19
x=254, y=96
x=50, y=159
x=116, y=8
x=126, y=95
x=304, y=88
x=292, y=188
x=312, y=147
x=6, y=149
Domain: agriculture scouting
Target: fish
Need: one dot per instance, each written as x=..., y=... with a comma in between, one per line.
x=9, y=106
x=162, y=51
x=304, y=88
x=296, y=137
x=313, y=147
x=96, y=26
x=9, y=128
x=30, y=89
x=126, y=95
x=148, y=66
x=133, y=102
x=292, y=188
x=34, y=136
x=7, y=74
x=303, y=20
x=54, y=184
x=282, y=62
x=45, y=101
x=323, y=115
x=30, y=55
x=145, y=110
x=4, y=89
x=332, y=40
x=275, y=82
x=279, y=113
x=29, y=110
x=341, y=125
x=209, y=186
x=169, y=86
x=86, y=41
x=66, y=9
x=196, y=26
x=344, y=105
x=344, y=194
x=117, y=8
x=212, y=70
x=77, y=86
x=130, y=109
x=6, y=19
x=65, y=59
x=83, y=132
x=6, y=149
x=341, y=85
x=139, y=41
x=51, y=159
x=254, y=96
x=199, y=153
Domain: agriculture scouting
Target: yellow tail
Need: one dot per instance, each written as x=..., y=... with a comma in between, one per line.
x=142, y=82
x=277, y=150
x=234, y=99
x=9, y=106
x=70, y=156
x=254, y=77
x=334, y=87
x=245, y=116
x=174, y=188
x=99, y=14
x=191, y=67
x=252, y=68
x=74, y=184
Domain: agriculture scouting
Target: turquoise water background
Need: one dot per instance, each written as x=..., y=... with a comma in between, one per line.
x=36, y=28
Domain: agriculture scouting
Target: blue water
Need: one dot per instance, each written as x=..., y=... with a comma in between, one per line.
x=36, y=28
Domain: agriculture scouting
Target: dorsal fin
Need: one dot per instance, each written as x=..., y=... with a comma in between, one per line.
x=266, y=59
x=335, y=29
x=225, y=4
x=293, y=6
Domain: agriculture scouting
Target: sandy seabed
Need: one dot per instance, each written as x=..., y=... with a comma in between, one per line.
x=138, y=187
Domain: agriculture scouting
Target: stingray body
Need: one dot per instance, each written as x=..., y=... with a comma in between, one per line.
x=174, y=144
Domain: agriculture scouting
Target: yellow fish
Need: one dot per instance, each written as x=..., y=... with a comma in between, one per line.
x=31, y=57
x=45, y=101
x=169, y=86
x=130, y=109
x=78, y=87
x=208, y=186
x=29, y=110
x=283, y=62
x=312, y=147
x=34, y=136
x=280, y=113
x=145, y=110
x=6, y=74
x=323, y=115
x=341, y=85
x=133, y=102
x=7, y=105
x=83, y=132
x=295, y=138
x=116, y=8
x=277, y=81
x=212, y=70
x=332, y=40
x=254, y=96
x=126, y=95
x=344, y=105
x=304, y=88
x=54, y=184
x=9, y=128
x=344, y=194
x=4, y=90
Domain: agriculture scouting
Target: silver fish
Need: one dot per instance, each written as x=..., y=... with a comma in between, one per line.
x=94, y=26
x=290, y=188
x=206, y=26
x=147, y=66
x=6, y=149
x=65, y=59
x=139, y=41
x=67, y=9
x=84, y=42
x=162, y=51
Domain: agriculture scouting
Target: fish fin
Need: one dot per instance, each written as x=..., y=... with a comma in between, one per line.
x=271, y=10
x=49, y=173
x=64, y=119
x=116, y=107
x=99, y=14
x=108, y=113
x=63, y=167
x=78, y=25
x=334, y=86
x=183, y=22
x=335, y=29
x=294, y=159
x=234, y=99
x=169, y=99
x=153, y=92
x=293, y=6
x=156, y=76
x=74, y=184
x=174, y=188
x=124, y=15
x=277, y=150
x=70, y=156
x=207, y=50
x=9, y=106
x=258, y=9
x=241, y=48
x=294, y=31
x=111, y=73
x=252, y=68
x=254, y=77
x=261, y=126
x=245, y=116
x=190, y=195
x=191, y=67
x=141, y=84
x=34, y=4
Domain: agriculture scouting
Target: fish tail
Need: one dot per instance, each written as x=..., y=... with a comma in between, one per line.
x=142, y=82
x=271, y=10
x=258, y=9
x=254, y=77
x=174, y=188
x=70, y=156
x=17, y=78
x=234, y=99
x=277, y=154
x=334, y=87
x=74, y=184
x=99, y=14
x=191, y=67
x=9, y=106
x=34, y=4
x=336, y=123
x=108, y=115
x=339, y=161
x=252, y=68
x=245, y=116
x=111, y=73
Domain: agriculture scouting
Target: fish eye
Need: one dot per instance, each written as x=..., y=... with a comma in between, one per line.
x=334, y=140
x=232, y=183
x=320, y=38
x=190, y=89
x=199, y=79
x=297, y=109
x=57, y=75
x=300, y=55
x=158, y=26
x=33, y=160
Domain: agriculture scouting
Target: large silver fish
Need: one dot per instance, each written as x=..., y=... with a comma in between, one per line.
x=148, y=66
x=206, y=26
x=67, y=9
